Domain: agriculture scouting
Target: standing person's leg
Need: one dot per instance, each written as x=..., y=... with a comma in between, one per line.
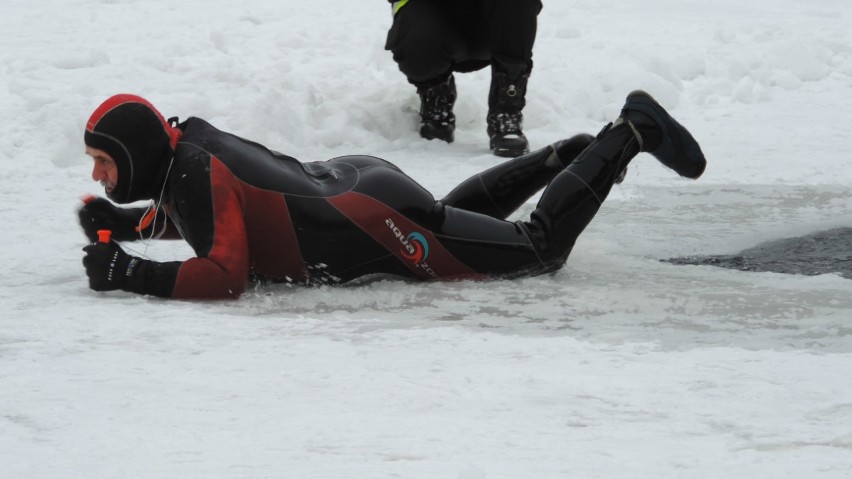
x=512, y=26
x=429, y=40
x=424, y=40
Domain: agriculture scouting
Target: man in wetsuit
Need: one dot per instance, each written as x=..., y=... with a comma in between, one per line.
x=249, y=211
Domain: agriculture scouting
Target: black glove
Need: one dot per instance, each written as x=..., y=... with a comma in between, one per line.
x=100, y=214
x=109, y=267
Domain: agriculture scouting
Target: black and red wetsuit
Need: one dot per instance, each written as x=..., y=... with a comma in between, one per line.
x=244, y=208
x=247, y=210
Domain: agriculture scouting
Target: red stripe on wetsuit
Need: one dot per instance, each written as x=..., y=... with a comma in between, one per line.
x=416, y=247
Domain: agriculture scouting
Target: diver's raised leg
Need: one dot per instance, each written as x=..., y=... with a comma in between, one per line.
x=574, y=196
x=502, y=189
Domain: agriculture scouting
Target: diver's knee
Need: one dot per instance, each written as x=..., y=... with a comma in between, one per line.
x=570, y=148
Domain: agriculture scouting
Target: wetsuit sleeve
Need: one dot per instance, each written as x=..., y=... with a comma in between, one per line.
x=214, y=226
x=209, y=206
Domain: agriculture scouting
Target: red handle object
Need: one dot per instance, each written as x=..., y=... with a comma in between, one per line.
x=103, y=236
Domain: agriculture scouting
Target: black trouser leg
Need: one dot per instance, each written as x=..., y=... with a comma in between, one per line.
x=574, y=196
x=512, y=30
x=501, y=190
x=431, y=39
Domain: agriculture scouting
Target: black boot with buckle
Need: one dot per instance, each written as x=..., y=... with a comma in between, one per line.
x=506, y=99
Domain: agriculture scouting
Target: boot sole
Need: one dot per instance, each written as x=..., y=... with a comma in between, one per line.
x=433, y=133
x=678, y=150
x=511, y=151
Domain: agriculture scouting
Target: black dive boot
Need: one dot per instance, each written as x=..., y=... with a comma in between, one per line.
x=436, y=110
x=506, y=100
x=574, y=196
x=662, y=136
x=502, y=189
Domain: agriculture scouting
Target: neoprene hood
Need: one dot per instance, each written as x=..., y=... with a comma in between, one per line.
x=139, y=140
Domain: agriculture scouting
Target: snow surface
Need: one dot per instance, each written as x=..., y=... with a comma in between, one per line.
x=617, y=366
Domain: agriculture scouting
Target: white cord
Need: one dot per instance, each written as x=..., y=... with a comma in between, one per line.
x=156, y=206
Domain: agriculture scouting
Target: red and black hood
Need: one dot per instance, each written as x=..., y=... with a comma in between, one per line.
x=139, y=140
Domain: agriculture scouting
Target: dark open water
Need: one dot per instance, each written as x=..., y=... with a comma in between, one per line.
x=818, y=253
